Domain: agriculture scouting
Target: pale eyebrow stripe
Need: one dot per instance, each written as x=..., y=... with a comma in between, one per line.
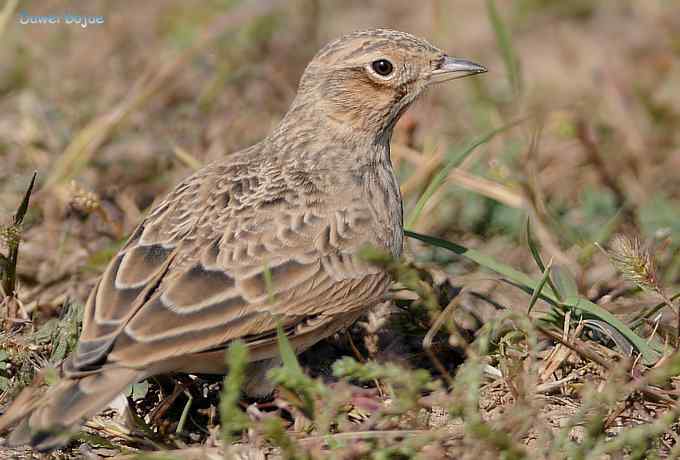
x=368, y=47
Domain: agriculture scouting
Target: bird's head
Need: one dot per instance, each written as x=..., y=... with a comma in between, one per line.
x=365, y=80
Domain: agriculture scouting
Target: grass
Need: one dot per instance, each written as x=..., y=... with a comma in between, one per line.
x=512, y=335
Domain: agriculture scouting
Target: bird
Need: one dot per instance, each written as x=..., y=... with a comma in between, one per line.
x=269, y=236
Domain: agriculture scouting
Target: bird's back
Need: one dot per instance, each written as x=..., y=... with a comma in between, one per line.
x=194, y=275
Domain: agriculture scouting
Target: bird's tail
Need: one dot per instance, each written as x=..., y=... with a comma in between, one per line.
x=46, y=421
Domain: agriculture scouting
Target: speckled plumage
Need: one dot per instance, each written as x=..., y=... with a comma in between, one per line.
x=299, y=204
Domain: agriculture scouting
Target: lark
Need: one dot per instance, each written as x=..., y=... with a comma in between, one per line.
x=269, y=235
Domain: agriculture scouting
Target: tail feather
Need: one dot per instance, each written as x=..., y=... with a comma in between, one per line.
x=46, y=422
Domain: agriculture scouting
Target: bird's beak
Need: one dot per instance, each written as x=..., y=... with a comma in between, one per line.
x=451, y=68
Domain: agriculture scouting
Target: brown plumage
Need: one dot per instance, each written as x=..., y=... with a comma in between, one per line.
x=299, y=204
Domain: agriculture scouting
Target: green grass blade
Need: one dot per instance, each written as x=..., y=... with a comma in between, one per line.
x=23, y=207
x=485, y=261
x=232, y=417
x=537, y=292
x=580, y=304
x=564, y=282
x=504, y=42
x=536, y=254
x=185, y=414
x=288, y=356
x=269, y=283
x=455, y=160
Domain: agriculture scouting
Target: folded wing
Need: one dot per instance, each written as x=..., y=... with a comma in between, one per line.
x=211, y=264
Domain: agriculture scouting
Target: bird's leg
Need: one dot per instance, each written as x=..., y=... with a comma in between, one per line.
x=353, y=347
x=159, y=411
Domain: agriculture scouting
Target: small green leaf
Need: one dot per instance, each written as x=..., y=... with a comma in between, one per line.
x=288, y=356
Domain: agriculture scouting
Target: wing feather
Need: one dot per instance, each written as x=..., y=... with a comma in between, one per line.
x=230, y=254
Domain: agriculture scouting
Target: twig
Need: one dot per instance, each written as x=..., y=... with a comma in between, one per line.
x=427, y=341
x=577, y=345
x=548, y=387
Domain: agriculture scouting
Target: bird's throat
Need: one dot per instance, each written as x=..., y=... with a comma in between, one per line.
x=340, y=138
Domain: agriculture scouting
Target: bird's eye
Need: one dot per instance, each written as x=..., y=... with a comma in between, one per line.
x=382, y=67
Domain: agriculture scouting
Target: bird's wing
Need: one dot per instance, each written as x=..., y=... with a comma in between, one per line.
x=229, y=254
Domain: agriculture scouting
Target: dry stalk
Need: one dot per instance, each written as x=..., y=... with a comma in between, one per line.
x=637, y=265
x=427, y=341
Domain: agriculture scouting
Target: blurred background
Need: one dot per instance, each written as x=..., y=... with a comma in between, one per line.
x=111, y=116
x=576, y=127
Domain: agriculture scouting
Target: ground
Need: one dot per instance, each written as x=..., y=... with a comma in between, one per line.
x=575, y=129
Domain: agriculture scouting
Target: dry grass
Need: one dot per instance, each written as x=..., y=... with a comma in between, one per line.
x=128, y=108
